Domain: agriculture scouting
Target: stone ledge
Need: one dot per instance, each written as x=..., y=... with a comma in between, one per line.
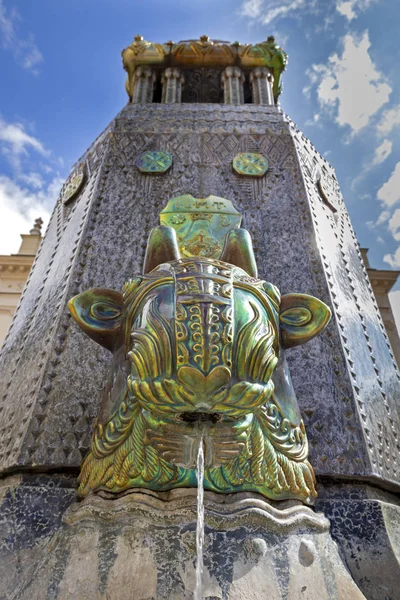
x=221, y=510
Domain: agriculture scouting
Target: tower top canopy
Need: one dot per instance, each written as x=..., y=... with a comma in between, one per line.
x=205, y=53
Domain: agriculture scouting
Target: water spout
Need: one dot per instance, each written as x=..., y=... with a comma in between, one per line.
x=198, y=592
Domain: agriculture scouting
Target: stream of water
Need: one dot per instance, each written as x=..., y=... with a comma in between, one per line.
x=198, y=592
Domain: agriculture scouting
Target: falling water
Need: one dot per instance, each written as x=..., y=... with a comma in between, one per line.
x=198, y=592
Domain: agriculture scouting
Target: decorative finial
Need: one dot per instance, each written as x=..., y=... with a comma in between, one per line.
x=204, y=38
x=37, y=227
x=138, y=38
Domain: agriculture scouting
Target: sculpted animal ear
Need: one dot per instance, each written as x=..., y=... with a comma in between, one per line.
x=98, y=313
x=162, y=247
x=238, y=251
x=301, y=318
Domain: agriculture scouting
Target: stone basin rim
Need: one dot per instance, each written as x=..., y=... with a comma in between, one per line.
x=222, y=511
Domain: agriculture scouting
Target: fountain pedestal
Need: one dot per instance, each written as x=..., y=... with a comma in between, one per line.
x=143, y=546
x=52, y=379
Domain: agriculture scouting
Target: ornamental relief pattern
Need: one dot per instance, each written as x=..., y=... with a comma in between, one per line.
x=122, y=209
x=347, y=278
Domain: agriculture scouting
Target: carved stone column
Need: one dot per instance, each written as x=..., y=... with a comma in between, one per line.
x=261, y=84
x=143, y=84
x=232, y=81
x=172, y=81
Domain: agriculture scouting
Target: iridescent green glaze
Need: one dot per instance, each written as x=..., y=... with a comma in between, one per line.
x=73, y=186
x=198, y=349
x=248, y=163
x=154, y=162
x=300, y=317
x=276, y=59
x=201, y=224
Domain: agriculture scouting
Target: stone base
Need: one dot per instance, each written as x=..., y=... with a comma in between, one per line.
x=142, y=547
x=365, y=523
x=31, y=510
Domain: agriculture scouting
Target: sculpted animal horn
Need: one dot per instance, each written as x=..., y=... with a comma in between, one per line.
x=98, y=313
x=162, y=247
x=301, y=318
x=238, y=251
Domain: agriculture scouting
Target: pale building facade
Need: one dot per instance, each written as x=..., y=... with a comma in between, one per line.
x=14, y=271
x=382, y=282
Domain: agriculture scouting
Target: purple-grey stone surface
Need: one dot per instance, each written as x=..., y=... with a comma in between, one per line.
x=346, y=380
x=142, y=546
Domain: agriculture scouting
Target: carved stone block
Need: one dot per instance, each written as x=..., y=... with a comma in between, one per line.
x=143, y=84
x=172, y=81
x=261, y=85
x=232, y=81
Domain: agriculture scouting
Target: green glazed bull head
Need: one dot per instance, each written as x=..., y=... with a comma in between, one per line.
x=199, y=353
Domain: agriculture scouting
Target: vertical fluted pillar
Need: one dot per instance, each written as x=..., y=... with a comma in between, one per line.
x=261, y=84
x=143, y=84
x=172, y=81
x=232, y=80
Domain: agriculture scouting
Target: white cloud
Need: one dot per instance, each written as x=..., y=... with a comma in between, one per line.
x=349, y=86
x=351, y=8
x=394, y=224
x=251, y=8
x=393, y=259
x=390, y=119
x=25, y=51
x=33, y=189
x=394, y=298
x=267, y=11
x=346, y=9
x=382, y=152
x=389, y=193
x=32, y=179
x=284, y=9
x=20, y=206
x=383, y=217
x=16, y=144
x=273, y=10
x=17, y=140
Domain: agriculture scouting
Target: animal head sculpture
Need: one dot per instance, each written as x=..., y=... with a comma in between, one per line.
x=199, y=352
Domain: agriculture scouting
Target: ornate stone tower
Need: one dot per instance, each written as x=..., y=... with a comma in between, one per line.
x=202, y=127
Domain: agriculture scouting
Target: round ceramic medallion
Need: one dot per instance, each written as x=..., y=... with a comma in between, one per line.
x=248, y=163
x=154, y=162
x=73, y=186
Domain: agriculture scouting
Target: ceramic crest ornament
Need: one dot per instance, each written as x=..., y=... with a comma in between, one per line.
x=326, y=190
x=154, y=162
x=201, y=224
x=73, y=186
x=248, y=163
x=204, y=53
x=199, y=350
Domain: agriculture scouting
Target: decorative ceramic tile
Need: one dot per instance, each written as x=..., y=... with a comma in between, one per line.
x=72, y=187
x=154, y=162
x=248, y=163
x=326, y=189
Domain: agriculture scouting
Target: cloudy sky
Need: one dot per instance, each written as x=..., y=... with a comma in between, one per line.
x=62, y=82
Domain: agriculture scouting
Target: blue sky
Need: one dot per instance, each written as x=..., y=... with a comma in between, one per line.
x=62, y=82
